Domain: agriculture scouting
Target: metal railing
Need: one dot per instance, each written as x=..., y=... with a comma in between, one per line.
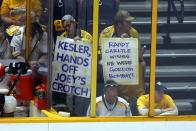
x=179, y=14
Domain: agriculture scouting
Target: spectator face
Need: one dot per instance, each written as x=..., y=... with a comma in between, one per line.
x=70, y=27
x=126, y=26
x=158, y=96
x=72, y=31
x=110, y=95
x=66, y=26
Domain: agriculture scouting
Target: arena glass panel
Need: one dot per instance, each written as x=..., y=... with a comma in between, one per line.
x=24, y=59
x=153, y=61
x=176, y=58
x=11, y=19
x=38, y=13
x=72, y=58
x=123, y=73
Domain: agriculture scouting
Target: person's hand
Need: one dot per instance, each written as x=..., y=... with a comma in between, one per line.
x=127, y=98
x=77, y=38
x=20, y=58
x=14, y=94
x=158, y=111
x=124, y=35
x=17, y=22
x=34, y=65
x=168, y=109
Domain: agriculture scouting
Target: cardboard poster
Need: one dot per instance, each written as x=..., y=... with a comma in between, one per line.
x=72, y=67
x=120, y=60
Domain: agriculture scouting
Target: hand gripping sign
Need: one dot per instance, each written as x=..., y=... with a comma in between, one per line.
x=72, y=67
x=120, y=60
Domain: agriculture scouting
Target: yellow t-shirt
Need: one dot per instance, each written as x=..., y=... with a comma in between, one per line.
x=18, y=7
x=84, y=35
x=167, y=102
x=109, y=33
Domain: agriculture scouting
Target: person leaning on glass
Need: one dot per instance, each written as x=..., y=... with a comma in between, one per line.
x=164, y=104
x=109, y=104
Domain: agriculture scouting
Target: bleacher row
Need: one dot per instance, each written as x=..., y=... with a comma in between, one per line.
x=176, y=59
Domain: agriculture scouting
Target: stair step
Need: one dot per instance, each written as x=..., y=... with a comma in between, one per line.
x=184, y=105
x=145, y=6
x=173, y=53
x=163, y=20
x=176, y=38
x=174, y=71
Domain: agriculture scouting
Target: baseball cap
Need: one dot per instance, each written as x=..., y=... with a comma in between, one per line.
x=68, y=18
x=10, y=104
x=159, y=87
x=110, y=84
x=123, y=15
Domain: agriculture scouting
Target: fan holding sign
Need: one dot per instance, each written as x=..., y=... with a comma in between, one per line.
x=122, y=58
x=71, y=75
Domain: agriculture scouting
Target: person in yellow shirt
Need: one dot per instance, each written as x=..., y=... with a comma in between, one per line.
x=13, y=12
x=67, y=27
x=123, y=28
x=164, y=104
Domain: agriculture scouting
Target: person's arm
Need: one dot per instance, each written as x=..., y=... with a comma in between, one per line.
x=171, y=107
x=88, y=111
x=5, y=14
x=142, y=105
x=16, y=45
x=5, y=18
x=128, y=111
x=170, y=112
x=144, y=111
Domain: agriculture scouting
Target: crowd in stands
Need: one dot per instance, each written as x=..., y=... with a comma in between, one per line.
x=73, y=19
